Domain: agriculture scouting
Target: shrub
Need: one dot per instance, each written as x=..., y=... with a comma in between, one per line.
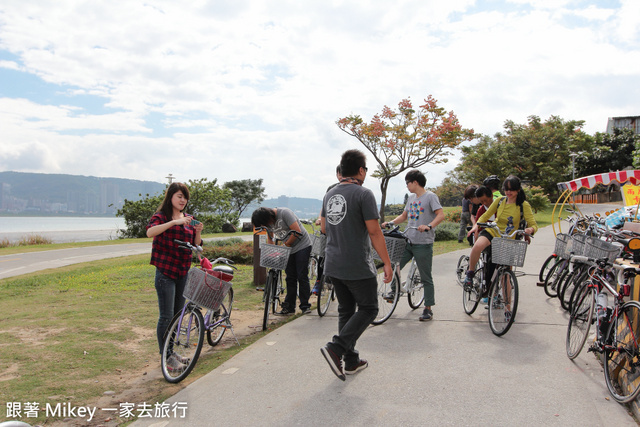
x=447, y=230
x=453, y=215
x=536, y=198
x=235, y=249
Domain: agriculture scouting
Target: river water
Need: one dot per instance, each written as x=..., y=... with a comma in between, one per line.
x=61, y=229
x=64, y=229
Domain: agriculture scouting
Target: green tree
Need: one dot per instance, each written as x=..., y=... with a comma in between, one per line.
x=406, y=138
x=136, y=215
x=538, y=153
x=243, y=193
x=210, y=204
x=610, y=153
x=450, y=192
x=207, y=201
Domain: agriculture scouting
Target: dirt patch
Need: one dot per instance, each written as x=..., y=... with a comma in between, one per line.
x=10, y=373
x=145, y=386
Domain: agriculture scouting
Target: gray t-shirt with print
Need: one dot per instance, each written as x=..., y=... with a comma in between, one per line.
x=420, y=211
x=284, y=218
x=345, y=208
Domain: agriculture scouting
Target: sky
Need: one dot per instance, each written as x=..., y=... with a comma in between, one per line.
x=249, y=89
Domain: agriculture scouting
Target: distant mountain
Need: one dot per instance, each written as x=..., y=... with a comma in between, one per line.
x=55, y=194
x=302, y=207
x=60, y=194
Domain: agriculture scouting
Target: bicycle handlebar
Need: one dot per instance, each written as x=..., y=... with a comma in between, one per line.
x=494, y=226
x=197, y=249
x=286, y=236
x=187, y=245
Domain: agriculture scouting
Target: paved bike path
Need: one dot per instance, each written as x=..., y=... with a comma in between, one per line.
x=29, y=262
x=449, y=371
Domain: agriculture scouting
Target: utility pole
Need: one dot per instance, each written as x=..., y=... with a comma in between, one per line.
x=573, y=165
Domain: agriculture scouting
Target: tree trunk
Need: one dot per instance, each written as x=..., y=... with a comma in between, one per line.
x=384, y=184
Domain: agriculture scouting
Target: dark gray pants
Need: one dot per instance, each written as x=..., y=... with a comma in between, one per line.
x=353, y=294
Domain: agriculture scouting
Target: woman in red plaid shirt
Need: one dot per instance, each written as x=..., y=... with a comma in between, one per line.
x=172, y=263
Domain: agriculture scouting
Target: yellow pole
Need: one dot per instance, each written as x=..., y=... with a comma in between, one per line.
x=553, y=224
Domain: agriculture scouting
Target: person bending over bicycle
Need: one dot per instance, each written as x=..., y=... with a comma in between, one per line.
x=423, y=210
x=511, y=210
x=280, y=221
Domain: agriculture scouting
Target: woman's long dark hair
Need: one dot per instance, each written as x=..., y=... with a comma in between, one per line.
x=513, y=183
x=166, y=207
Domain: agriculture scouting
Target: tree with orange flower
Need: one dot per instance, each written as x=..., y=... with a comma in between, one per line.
x=405, y=138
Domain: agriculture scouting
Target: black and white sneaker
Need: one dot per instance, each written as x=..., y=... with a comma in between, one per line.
x=334, y=362
x=350, y=370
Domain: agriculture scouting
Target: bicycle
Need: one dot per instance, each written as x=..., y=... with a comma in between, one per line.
x=389, y=293
x=208, y=287
x=502, y=294
x=617, y=326
x=325, y=291
x=274, y=257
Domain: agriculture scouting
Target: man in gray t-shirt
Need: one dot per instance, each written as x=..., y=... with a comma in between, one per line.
x=423, y=211
x=349, y=218
x=280, y=221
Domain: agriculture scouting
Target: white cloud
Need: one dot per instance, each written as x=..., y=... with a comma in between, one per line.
x=252, y=89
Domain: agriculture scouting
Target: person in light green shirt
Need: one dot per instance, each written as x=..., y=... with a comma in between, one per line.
x=493, y=183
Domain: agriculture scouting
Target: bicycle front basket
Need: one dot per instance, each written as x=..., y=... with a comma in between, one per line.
x=508, y=251
x=205, y=290
x=395, y=248
x=577, y=245
x=562, y=241
x=318, y=244
x=599, y=249
x=273, y=256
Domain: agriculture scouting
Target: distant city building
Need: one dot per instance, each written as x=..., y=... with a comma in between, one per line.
x=628, y=122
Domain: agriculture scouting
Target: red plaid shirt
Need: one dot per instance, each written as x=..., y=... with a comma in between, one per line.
x=171, y=260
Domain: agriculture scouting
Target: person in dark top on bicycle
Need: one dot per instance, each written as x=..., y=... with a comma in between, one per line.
x=350, y=220
x=279, y=221
x=172, y=263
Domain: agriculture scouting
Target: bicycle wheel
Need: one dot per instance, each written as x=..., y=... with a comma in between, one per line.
x=472, y=297
x=415, y=290
x=386, y=306
x=461, y=269
x=546, y=266
x=503, y=302
x=576, y=277
x=552, y=276
x=580, y=320
x=622, y=356
x=562, y=282
x=269, y=287
x=215, y=332
x=325, y=296
x=182, y=344
x=277, y=292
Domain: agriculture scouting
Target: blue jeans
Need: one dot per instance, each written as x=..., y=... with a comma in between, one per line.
x=352, y=294
x=298, y=275
x=424, y=260
x=170, y=301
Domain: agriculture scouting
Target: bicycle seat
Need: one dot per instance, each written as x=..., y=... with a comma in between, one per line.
x=394, y=234
x=222, y=272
